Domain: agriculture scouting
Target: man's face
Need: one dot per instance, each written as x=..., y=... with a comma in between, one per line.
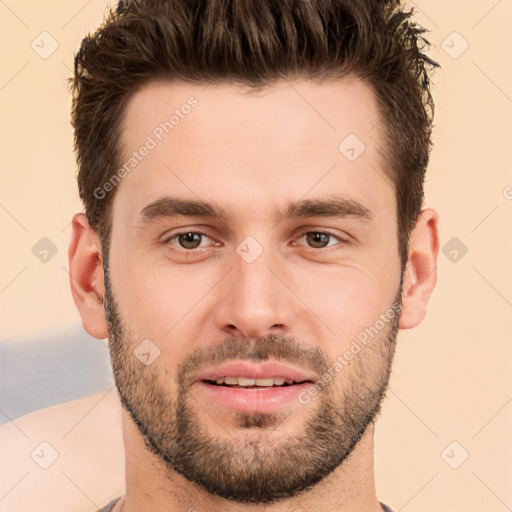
x=256, y=285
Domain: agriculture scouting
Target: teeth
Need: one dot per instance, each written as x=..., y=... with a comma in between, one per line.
x=243, y=381
x=263, y=382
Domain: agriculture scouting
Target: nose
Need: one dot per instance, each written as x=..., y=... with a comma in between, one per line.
x=256, y=299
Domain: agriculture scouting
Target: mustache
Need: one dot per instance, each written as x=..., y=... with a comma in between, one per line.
x=272, y=346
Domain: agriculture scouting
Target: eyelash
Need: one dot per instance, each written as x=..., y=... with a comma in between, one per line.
x=168, y=239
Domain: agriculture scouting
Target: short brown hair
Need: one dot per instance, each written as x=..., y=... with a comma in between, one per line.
x=254, y=43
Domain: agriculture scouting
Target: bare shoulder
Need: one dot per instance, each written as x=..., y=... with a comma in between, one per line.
x=66, y=457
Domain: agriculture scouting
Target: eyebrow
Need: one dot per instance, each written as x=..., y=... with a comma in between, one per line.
x=334, y=205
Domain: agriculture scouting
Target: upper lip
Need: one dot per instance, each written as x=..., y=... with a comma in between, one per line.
x=263, y=370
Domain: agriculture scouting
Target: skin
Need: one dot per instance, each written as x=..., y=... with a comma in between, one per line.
x=91, y=454
x=252, y=153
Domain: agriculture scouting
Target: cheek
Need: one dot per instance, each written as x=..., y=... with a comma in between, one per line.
x=346, y=301
x=154, y=304
x=167, y=303
x=159, y=298
x=144, y=298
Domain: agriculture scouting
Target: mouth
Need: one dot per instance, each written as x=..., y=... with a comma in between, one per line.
x=262, y=374
x=262, y=387
x=248, y=383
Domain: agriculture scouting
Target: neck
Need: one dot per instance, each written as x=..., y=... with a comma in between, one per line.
x=151, y=486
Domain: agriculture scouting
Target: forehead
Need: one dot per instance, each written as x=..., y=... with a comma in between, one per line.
x=236, y=144
x=300, y=111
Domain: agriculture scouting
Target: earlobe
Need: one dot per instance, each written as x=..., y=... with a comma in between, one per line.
x=86, y=276
x=421, y=270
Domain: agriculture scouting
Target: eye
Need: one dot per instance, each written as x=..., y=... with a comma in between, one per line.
x=187, y=239
x=320, y=239
x=191, y=240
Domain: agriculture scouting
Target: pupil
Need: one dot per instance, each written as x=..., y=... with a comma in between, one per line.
x=316, y=238
x=188, y=238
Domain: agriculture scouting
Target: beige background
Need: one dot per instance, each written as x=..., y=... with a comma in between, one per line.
x=452, y=379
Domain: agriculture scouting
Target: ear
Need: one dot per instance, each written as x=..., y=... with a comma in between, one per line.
x=421, y=270
x=86, y=276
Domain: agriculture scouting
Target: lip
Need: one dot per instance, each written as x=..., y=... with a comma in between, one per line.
x=252, y=399
x=265, y=369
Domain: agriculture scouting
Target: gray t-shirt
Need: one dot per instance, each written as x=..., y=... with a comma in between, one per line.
x=110, y=506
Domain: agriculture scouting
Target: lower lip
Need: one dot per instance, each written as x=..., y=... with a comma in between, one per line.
x=254, y=399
